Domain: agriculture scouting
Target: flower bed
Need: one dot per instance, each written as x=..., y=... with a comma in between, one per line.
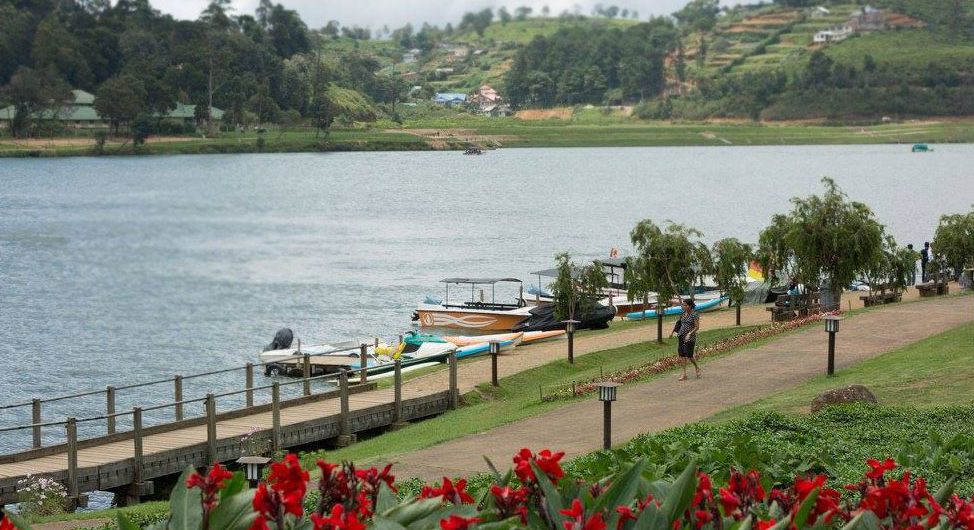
x=659, y=366
x=536, y=494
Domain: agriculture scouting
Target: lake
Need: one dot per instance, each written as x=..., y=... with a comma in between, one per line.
x=121, y=270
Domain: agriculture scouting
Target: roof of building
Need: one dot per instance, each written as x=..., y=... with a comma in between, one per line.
x=83, y=98
x=449, y=96
x=187, y=112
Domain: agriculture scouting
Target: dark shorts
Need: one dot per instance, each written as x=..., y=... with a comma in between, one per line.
x=686, y=348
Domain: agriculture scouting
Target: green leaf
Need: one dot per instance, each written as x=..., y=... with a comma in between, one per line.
x=652, y=518
x=681, y=493
x=864, y=521
x=381, y=523
x=235, y=512
x=622, y=490
x=124, y=523
x=185, y=504
x=493, y=471
x=387, y=499
x=305, y=524
x=18, y=522
x=406, y=514
x=235, y=485
x=801, y=517
x=553, y=502
x=782, y=524
x=743, y=524
x=945, y=490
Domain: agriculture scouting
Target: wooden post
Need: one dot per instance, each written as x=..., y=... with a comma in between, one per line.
x=110, y=409
x=276, y=416
x=397, y=384
x=36, y=420
x=137, y=445
x=738, y=313
x=377, y=342
x=364, y=362
x=211, y=428
x=307, y=374
x=72, y=426
x=343, y=395
x=400, y=339
x=454, y=383
x=178, y=396
x=250, y=385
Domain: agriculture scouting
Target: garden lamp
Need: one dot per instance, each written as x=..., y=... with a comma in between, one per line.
x=607, y=394
x=831, y=327
x=253, y=467
x=570, y=330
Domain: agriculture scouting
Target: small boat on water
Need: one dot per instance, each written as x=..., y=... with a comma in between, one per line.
x=922, y=148
x=476, y=313
x=677, y=310
x=473, y=150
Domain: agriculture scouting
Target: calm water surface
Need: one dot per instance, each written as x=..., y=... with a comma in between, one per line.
x=117, y=270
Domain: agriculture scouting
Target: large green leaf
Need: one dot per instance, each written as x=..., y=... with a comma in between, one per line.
x=622, y=490
x=944, y=492
x=553, y=504
x=381, y=523
x=185, y=504
x=387, y=499
x=652, y=518
x=406, y=514
x=124, y=523
x=18, y=522
x=433, y=519
x=235, y=512
x=801, y=517
x=864, y=521
x=681, y=493
x=235, y=485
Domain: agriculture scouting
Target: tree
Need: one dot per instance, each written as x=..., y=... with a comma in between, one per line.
x=504, y=16
x=120, y=99
x=830, y=240
x=954, y=240
x=731, y=260
x=576, y=290
x=698, y=15
x=663, y=264
x=545, y=11
x=522, y=13
x=35, y=96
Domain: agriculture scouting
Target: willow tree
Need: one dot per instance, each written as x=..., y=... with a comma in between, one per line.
x=954, y=240
x=826, y=241
x=576, y=289
x=731, y=259
x=663, y=264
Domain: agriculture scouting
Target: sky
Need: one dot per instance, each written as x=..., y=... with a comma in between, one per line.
x=395, y=13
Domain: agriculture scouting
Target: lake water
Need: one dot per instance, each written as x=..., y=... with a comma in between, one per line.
x=120, y=270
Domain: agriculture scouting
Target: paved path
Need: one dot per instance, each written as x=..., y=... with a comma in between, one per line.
x=665, y=402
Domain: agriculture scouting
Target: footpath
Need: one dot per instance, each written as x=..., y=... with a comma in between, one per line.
x=664, y=402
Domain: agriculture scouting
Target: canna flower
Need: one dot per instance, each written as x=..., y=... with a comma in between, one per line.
x=289, y=481
x=878, y=469
x=455, y=494
x=510, y=502
x=338, y=520
x=455, y=522
x=546, y=461
x=6, y=523
x=209, y=486
x=577, y=520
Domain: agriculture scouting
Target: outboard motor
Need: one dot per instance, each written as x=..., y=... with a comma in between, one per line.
x=282, y=340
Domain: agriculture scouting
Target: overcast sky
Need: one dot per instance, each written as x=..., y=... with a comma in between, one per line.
x=395, y=13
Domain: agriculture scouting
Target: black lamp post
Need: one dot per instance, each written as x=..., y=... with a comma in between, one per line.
x=253, y=467
x=607, y=394
x=495, y=349
x=831, y=327
x=570, y=329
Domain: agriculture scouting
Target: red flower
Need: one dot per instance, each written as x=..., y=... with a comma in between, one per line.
x=6, y=523
x=546, y=461
x=290, y=481
x=510, y=502
x=766, y=525
x=730, y=501
x=339, y=520
x=703, y=517
x=455, y=522
x=210, y=485
x=265, y=506
x=578, y=521
x=878, y=469
x=456, y=494
x=625, y=514
x=373, y=477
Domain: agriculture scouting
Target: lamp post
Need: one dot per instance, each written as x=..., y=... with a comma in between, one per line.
x=607, y=394
x=570, y=329
x=831, y=327
x=495, y=349
x=253, y=467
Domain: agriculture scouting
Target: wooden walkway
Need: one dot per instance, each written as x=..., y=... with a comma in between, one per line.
x=128, y=461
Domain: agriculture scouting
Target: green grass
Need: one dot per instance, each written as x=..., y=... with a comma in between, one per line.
x=515, y=399
x=933, y=372
x=142, y=515
x=907, y=50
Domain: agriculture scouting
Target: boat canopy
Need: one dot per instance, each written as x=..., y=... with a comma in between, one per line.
x=479, y=281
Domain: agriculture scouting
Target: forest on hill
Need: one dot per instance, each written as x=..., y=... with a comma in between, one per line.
x=704, y=61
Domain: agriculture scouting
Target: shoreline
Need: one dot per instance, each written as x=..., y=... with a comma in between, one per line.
x=521, y=134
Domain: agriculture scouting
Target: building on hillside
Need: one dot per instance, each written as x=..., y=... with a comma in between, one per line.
x=820, y=12
x=411, y=56
x=459, y=52
x=484, y=97
x=449, y=99
x=496, y=111
x=833, y=34
x=81, y=113
x=444, y=71
x=868, y=19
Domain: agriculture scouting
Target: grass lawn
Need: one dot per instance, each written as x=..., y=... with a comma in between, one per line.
x=933, y=372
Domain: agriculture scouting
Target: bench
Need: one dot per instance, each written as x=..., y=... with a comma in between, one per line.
x=883, y=294
x=791, y=306
x=935, y=286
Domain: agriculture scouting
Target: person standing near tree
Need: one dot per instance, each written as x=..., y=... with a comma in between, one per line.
x=924, y=261
x=686, y=329
x=912, y=273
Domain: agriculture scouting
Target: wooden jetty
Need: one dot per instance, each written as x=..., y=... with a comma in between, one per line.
x=127, y=462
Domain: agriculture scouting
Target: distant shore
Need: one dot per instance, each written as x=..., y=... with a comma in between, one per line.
x=457, y=135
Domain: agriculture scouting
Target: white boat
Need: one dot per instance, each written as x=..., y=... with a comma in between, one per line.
x=334, y=357
x=477, y=313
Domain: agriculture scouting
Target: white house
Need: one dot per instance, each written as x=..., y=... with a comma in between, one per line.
x=820, y=12
x=833, y=34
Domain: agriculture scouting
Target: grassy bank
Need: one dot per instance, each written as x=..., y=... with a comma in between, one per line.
x=586, y=129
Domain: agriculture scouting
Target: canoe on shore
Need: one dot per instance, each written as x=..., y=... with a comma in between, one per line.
x=537, y=336
x=467, y=340
x=677, y=310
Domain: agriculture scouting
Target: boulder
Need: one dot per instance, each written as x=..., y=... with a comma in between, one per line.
x=837, y=396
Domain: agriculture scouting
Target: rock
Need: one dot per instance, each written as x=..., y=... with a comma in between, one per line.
x=837, y=396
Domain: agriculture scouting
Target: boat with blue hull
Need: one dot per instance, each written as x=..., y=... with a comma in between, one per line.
x=676, y=310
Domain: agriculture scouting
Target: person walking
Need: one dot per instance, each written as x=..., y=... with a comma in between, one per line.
x=686, y=329
x=924, y=261
x=912, y=273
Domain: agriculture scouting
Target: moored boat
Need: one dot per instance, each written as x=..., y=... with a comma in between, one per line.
x=677, y=310
x=461, y=340
x=476, y=313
